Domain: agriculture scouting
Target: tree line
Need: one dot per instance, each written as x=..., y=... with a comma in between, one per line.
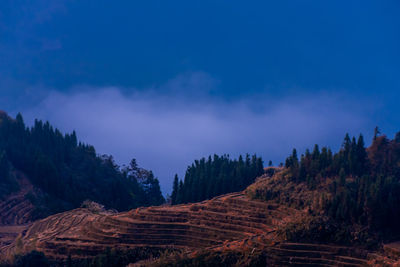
x=365, y=182
x=68, y=171
x=214, y=176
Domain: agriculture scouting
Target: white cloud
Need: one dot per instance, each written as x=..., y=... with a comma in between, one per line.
x=166, y=132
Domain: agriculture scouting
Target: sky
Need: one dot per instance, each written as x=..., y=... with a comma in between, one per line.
x=168, y=82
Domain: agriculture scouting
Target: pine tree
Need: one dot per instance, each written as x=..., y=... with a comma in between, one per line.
x=342, y=177
x=376, y=132
x=180, y=195
x=259, y=167
x=217, y=175
x=352, y=157
x=65, y=169
x=152, y=190
x=4, y=168
x=361, y=156
x=347, y=144
x=397, y=137
x=175, y=190
x=7, y=184
x=371, y=196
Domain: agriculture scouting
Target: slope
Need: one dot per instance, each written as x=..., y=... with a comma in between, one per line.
x=225, y=224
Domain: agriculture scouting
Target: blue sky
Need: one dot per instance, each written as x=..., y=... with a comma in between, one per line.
x=169, y=81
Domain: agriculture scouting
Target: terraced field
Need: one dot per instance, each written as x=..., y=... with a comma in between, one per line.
x=227, y=222
x=311, y=254
x=16, y=209
x=15, y=212
x=210, y=223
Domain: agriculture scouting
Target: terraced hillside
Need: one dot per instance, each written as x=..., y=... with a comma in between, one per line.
x=229, y=222
x=16, y=209
x=81, y=232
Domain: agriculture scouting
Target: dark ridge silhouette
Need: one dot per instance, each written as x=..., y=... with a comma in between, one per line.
x=43, y=171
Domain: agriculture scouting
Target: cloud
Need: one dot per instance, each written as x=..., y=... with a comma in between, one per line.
x=166, y=131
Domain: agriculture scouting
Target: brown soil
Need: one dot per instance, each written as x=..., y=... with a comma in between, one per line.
x=15, y=212
x=16, y=209
x=81, y=232
x=231, y=222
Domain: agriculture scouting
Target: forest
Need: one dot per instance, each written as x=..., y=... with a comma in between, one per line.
x=363, y=183
x=217, y=175
x=68, y=172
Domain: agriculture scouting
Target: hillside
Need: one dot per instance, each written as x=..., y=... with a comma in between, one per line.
x=322, y=209
x=232, y=229
x=43, y=172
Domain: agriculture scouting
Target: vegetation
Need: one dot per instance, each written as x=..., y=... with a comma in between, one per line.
x=110, y=258
x=324, y=229
x=356, y=190
x=7, y=181
x=68, y=172
x=31, y=259
x=213, y=258
x=215, y=176
x=118, y=258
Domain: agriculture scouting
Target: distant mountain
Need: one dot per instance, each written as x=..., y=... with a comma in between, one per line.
x=43, y=171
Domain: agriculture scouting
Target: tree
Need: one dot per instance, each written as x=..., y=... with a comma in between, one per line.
x=376, y=132
x=152, y=189
x=67, y=171
x=361, y=156
x=364, y=183
x=32, y=259
x=180, y=195
x=134, y=172
x=342, y=177
x=397, y=137
x=4, y=168
x=175, y=190
x=217, y=175
x=292, y=163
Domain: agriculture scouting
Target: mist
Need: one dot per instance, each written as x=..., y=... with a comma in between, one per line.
x=167, y=127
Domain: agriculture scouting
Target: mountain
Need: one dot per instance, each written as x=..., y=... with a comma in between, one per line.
x=320, y=209
x=43, y=171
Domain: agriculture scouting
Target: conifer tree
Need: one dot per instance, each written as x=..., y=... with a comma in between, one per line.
x=376, y=132
x=342, y=177
x=347, y=145
x=153, y=190
x=4, y=168
x=370, y=196
x=175, y=190
x=180, y=195
x=361, y=156
x=217, y=175
x=67, y=171
x=397, y=137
